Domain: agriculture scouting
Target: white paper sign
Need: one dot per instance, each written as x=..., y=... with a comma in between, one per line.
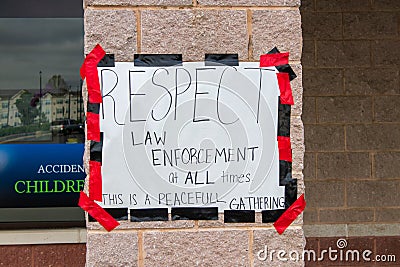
x=190, y=136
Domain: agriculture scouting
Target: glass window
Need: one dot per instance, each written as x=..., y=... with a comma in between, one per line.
x=42, y=51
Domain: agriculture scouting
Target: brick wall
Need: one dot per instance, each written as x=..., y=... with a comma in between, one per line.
x=193, y=28
x=351, y=111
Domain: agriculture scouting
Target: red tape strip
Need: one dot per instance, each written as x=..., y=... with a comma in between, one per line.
x=93, y=126
x=89, y=71
x=269, y=60
x=285, y=88
x=95, y=182
x=285, y=148
x=290, y=215
x=97, y=212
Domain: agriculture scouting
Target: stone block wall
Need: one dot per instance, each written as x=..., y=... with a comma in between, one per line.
x=193, y=28
x=351, y=116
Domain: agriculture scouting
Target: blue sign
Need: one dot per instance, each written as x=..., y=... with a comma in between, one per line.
x=41, y=175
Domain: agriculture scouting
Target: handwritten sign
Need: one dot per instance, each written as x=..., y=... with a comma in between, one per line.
x=190, y=136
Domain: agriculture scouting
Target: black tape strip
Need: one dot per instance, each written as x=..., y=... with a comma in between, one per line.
x=147, y=215
x=157, y=60
x=221, y=59
x=239, y=216
x=283, y=119
x=285, y=172
x=119, y=214
x=286, y=68
x=194, y=213
x=93, y=108
x=290, y=193
x=91, y=219
x=269, y=216
x=96, y=149
x=107, y=61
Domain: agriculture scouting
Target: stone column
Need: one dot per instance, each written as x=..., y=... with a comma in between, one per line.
x=192, y=28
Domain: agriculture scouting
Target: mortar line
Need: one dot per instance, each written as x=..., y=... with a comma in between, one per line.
x=238, y=228
x=197, y=7
x=140, y=249
x=138, y=31
x=249, y=17
x=251, y=241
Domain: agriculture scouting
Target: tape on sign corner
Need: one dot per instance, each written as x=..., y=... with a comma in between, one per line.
x=95, y=181
x=285, y=148
x=89, y=71
x=287, y=218
x=93, y=126
x=157, y=60
x=274, y=50
x=221, y=60
x=285, y=89
x=107, y=61
x=97, y=212
x=277, y=59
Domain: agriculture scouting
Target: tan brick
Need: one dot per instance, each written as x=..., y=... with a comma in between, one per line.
x=315, y=82
x=343, y=53
x=387, y=165
x=250, y=3
x=310, y=216
x=373, y=136
x=297, y=90
x=369, y=25
x=114, y=30
x=112, y=249
x=343, y=165
x=139, y=2
x=385, y=52
x=343, y=5
x=194, y=32
x=280, y=28
x=220, y=222
x=386, y=108
x=373, y=193
x=300, y=183
x=309, y=115
x=388, y=215
x=308, y=56
x=386, y=5
x=324, y=137
x=324, y=194
x=297, y=141
x=344, y=109
x=346, y=215
x=322, y=25
x=144, y=225
x=309, y=166
x=201, y=248
x=290, y=240
x=370, y=81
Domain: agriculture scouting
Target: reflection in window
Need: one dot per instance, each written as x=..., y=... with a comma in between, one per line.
x=39, y=77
